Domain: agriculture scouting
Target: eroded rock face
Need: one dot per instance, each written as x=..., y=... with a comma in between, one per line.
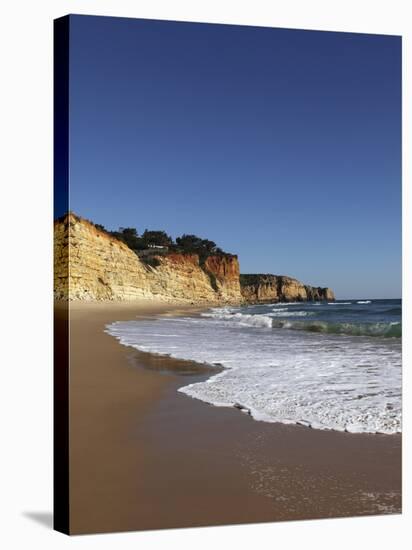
x=259, y=288
x=291, y=290
x=225, y=270
x=91, y=265
x=320, y=293
x=279, y=288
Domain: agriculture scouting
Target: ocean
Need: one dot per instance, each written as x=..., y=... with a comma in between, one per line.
x=334, y=366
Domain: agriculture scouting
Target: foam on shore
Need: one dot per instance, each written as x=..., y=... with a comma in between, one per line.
x=322, y=380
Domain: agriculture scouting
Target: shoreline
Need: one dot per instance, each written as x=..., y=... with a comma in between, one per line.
x=216, y=368
x=145, y=456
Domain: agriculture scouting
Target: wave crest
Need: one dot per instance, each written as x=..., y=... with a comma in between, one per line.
x=379, y=329
x=382, y=330
x=241, y=319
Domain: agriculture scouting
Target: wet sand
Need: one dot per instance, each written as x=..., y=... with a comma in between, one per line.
x=143, y=456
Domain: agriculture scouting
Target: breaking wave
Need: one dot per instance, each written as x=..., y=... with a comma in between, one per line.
x=240, y=319
x=385, y=330
x=322, y=380
x=271, y=320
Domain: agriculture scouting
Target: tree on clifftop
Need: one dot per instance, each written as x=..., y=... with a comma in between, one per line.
x=156, y=238
x=186, y=244
x=196, y=245
x=129, y=236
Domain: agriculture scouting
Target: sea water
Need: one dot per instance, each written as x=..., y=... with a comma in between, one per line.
x=325, y=365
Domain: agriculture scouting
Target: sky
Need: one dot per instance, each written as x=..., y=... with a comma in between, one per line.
x=282, y=146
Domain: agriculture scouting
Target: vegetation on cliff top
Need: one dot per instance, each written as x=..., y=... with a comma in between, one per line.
x=159, y=242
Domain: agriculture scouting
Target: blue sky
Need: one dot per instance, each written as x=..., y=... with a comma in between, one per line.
x=282, y=146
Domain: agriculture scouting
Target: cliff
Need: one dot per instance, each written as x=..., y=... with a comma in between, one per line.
x=279, y=288
x=91, y=265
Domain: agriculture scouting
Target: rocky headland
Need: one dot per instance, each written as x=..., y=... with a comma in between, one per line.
x=280, y=288
x=92, y=265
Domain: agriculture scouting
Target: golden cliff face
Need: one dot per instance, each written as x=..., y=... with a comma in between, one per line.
x=291, y=289
x=225, y=275
x=91, y=265
x=259, y=288
x=279, y=288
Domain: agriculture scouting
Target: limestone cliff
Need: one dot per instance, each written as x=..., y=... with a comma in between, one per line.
x=279, y=288
x=89, y=264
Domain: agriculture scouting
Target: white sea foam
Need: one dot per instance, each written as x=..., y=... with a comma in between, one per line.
x=363, y=302
x=283, y=304
x=339, y=303
x=289, y=313
x=240, y=319
x=231, y=316
x=320, y=380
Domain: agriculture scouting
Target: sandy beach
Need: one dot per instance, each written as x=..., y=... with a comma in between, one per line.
x=143, y=456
